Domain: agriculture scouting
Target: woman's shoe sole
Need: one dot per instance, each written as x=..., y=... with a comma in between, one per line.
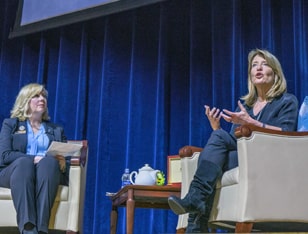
x=175, y=206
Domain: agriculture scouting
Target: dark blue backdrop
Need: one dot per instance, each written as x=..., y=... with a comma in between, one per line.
x=134, y=84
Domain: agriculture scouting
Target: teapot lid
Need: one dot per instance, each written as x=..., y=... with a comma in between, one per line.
x=146, y=167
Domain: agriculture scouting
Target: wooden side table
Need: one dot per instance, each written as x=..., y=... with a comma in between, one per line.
x=139, y=196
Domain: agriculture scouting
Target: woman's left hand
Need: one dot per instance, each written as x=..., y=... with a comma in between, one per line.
x=241, y=117
x=62, y=163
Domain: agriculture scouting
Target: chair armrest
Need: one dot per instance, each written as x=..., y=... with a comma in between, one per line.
x=81, y=160
x=247, y=129
x=77, y=187
x=188, y=151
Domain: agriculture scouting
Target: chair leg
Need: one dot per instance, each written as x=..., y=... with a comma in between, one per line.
x=243, y=227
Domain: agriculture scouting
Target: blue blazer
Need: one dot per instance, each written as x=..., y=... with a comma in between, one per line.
x=13, y=139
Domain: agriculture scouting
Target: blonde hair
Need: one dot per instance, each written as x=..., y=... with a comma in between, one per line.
x=21, y=108
x=280, y=84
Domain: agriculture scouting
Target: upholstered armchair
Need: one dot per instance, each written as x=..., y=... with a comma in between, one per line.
x=268, y=191
x=67, y=211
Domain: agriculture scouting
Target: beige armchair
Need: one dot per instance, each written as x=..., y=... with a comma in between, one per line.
x=67, y=211
x=268, y=191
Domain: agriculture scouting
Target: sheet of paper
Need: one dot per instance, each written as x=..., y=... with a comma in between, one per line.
x=64, y=149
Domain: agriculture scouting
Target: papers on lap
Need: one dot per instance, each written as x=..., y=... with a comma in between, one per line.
x=64, y=149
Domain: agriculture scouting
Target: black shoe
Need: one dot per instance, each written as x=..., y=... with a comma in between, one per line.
x=200, y=189
x=197, y=223
x=182, y=206
x=32, y=231
x=176, y=205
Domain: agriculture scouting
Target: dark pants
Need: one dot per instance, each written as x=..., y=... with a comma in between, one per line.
x=220, y=149
x=33, y=188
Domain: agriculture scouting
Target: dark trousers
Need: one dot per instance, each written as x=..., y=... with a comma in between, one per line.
x=220, y=149
x=33, y=188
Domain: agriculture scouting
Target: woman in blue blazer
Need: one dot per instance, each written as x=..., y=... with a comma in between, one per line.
x=32, y=176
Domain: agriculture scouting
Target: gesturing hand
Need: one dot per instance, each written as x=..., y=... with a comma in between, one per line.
x=241, y=117
x=214, y=116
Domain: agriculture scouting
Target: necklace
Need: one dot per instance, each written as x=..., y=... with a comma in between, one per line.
x=35, y=127
x=258, y=116
x=258, y=106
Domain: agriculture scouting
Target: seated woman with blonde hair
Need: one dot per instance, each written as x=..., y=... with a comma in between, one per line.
x=32, y=176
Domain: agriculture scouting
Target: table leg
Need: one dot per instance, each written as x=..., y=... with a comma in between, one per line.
x=130, y=212
x=113, y=220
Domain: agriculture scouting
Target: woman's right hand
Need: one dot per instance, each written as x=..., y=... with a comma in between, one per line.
x=37, y=159
x=214, y=116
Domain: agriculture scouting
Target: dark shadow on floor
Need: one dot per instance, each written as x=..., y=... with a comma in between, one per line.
x=14, y=230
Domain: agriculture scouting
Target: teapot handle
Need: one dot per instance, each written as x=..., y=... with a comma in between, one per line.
x=133, y=173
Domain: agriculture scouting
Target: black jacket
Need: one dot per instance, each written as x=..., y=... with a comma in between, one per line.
x=13, y=139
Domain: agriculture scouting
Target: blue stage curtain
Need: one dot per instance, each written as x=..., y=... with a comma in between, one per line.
x=134, y=83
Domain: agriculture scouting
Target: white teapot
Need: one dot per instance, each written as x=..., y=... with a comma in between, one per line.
x=146, y=176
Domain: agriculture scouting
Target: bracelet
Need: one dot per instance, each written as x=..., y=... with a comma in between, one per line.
x=263, y=125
